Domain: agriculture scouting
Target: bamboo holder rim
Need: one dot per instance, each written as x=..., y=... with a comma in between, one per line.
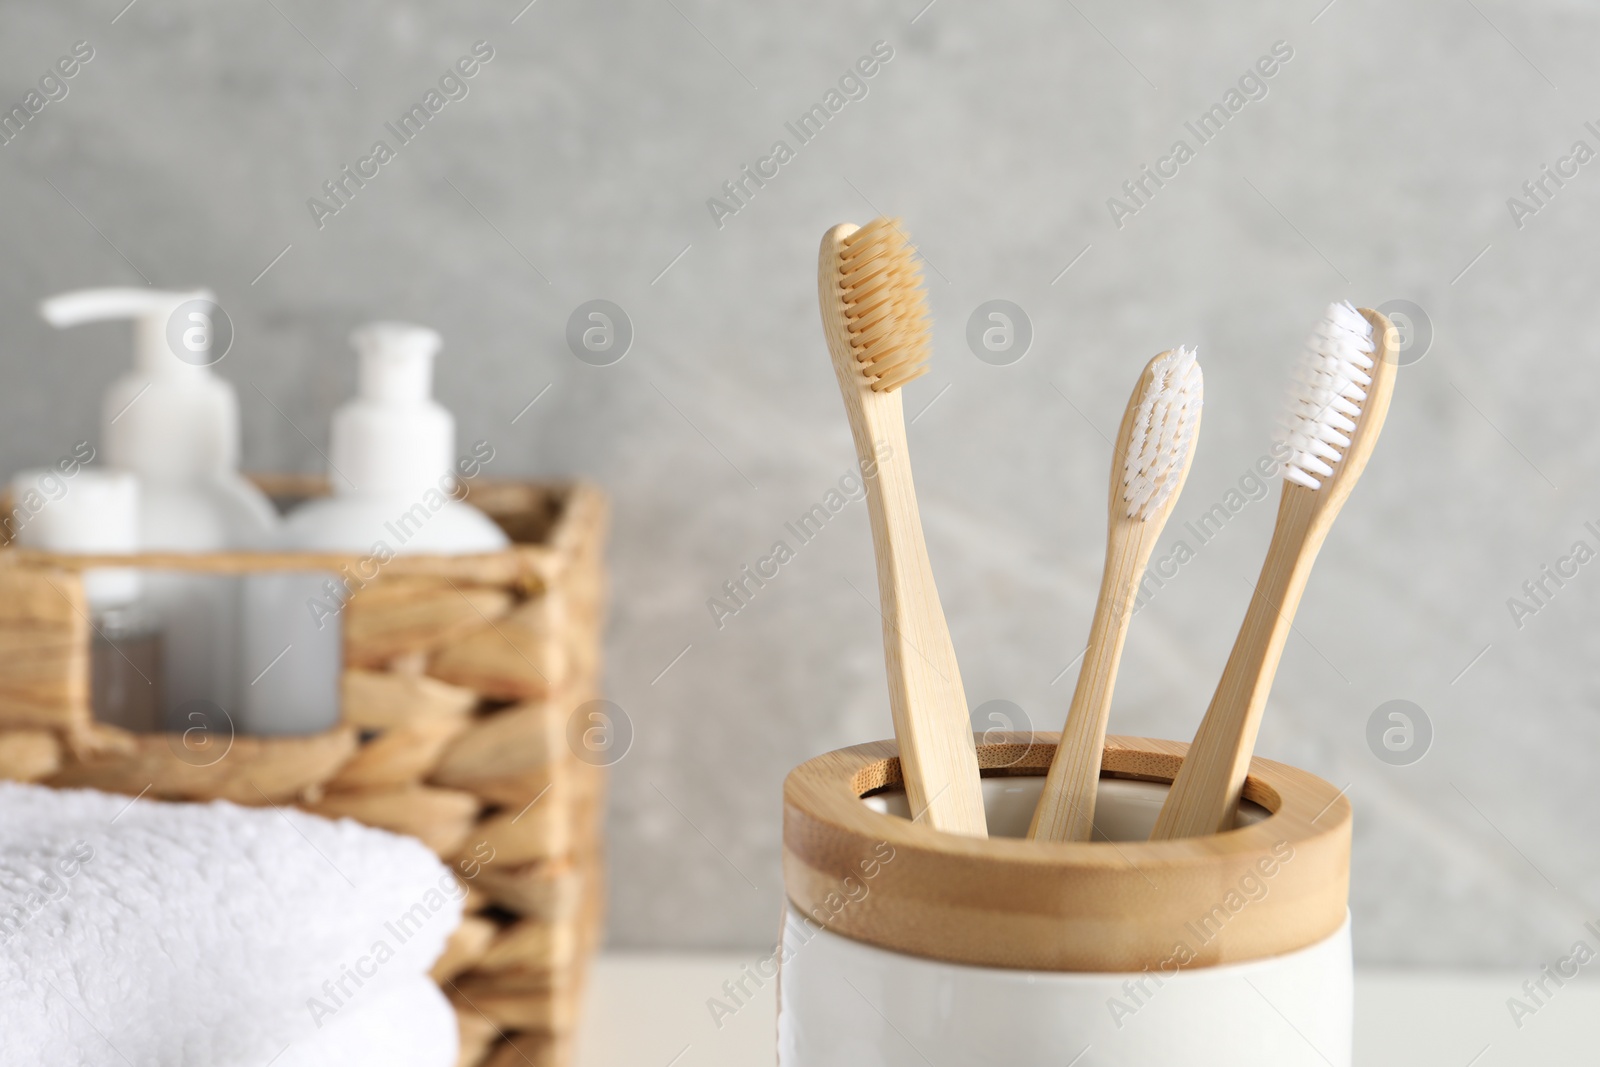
x=1095, y=906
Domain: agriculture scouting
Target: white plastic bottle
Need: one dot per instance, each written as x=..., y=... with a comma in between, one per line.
x=392, y=475
x=175, y=424
x=94, y=512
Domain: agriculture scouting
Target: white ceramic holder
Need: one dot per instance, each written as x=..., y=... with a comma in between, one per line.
x=906, y=947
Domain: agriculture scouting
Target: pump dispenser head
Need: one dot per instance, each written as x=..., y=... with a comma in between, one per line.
x=169, y=419
x=151, y=311
x=392, y=438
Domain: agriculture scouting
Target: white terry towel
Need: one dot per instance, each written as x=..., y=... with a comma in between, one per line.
x=405, y=1025
x=206, y=934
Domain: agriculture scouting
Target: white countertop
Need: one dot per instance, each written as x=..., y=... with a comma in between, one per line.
x=650, y=1011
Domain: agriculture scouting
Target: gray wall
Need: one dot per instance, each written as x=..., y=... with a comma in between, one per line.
x=1377, y=167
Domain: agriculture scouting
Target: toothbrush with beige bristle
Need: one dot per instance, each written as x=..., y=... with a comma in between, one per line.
x=1151, y=458
x=1337, y=405
x=875, y=317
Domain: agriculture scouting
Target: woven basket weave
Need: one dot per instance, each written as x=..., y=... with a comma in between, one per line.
x=461, y=675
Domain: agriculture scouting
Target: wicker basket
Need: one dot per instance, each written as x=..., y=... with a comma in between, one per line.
x=460, y=677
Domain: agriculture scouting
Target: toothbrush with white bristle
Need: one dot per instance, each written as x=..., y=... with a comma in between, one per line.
x=1154, y=448
x=1338, y=400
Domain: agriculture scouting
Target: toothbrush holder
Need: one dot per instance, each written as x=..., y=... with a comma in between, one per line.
x=907, y=947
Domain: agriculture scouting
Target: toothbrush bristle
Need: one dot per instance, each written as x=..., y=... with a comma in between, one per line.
x=885, y=308
x=1163, y=432
x=1328, y=389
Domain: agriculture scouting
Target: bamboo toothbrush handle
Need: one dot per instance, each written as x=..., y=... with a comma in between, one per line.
x=1066, y=807
x=938, y=760
x=874, y=316
x=1205, y=795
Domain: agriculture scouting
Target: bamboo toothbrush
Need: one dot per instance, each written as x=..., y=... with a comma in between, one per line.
x=1337, y=404
x=1154, y=448
x=875, y=317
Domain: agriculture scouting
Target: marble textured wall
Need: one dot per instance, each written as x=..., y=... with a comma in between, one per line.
x=1375, y=163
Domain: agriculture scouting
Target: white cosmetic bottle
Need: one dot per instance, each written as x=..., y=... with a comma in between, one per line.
x=392, y=477
x=95, y=512
x=172, y=422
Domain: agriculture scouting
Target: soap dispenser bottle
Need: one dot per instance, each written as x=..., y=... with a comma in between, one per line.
x=393, y=492
x=175, y=424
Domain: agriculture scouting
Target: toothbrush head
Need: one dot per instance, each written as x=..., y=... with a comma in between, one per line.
x=1161, y=438
x=1327, y=395
x=885, y=307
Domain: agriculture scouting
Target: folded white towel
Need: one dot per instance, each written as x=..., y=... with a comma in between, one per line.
x=407, y=1025
x=204, y=934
